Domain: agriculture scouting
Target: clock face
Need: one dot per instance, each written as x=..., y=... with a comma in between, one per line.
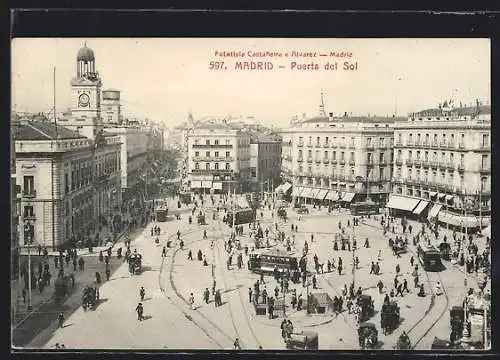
x=84, y=100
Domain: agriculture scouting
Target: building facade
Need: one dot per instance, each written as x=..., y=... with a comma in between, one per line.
x=133, y=154
x=111, y=107
x=339, y=158
x=69, y=183
x=443, y=159
x=218, y=158
x=265, y=164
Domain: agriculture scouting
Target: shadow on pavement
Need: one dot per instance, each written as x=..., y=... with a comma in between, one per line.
x=146, y=317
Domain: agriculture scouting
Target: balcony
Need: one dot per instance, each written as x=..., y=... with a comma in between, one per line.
x=326, y=145
x=369, y=147
x=351, y=162
x=450, y=166
x=342, y=162
x=461, y=145
x=461, y=167
x=434, y=164
x=485, y=147
x=310, y=160
x=326, y=161
x=210, y=146
x=382, y=162
x=398, y=143
x=210, y=171
x=352, y=146
x=301, y=144
x=334, y=146
x=417, y=163
x=434, y=144
x=426, y=163
x=310, y=145
x=318, y=161
x=342, y=146
x=334, y=162
x=29, y=193
x=451, y=145
x=300, y=160
x=399, y=162
x=485, y=169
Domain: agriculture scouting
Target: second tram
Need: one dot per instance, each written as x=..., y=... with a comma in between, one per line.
x=430, y=257
x=161, y=213
x=242, y=216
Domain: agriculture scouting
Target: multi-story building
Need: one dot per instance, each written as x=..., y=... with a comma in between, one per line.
x=111, y=107
x=218, y=158
x=69, y=183
x=133, y=155
x=442, y=165
x=346, y=158
x=14, y=231
x=265, y=163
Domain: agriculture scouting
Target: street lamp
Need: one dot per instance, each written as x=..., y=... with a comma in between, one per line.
x=28, y=236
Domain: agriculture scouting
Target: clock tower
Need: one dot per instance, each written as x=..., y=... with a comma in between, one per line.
x=86, y=92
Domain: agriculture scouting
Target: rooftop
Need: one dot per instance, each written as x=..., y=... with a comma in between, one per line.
x=456, y=111
x=35, y=130
x=352, y=119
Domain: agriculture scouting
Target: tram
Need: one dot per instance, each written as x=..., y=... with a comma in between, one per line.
x=266, y=261
x=242, y=216
x=364, y=208
x=185, y=198
x=429, y=257
x=161, y=213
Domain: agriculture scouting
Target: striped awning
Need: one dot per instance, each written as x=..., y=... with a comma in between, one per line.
x=278, y=189
x=440, y=195
x=332, y=195
x=432, y=193
x=195, y=184
x=449, y=197
x=296, y=191
x=348, y=196
x=307, y=193
x=314, y=193
x=402, y=203
x=321, y=194
x=470, y=221
x=434, y=211
x=206, y=184
x=420, y=207
x=286, y=186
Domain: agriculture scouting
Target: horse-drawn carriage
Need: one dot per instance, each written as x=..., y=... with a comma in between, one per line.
x=368, y=336
x=389, y=317
x=282, y=213
x=445, y=250
x=398, y=247
x=135, y=263
x=366, y=307
x=403, y=342
x=456, y=323
x=62, y=288
x=90, y=297
x=305, y=340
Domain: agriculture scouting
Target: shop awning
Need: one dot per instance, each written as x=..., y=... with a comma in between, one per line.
x=433, y=212
x=314, y=193
x=321, y=195
x=296, y=191
x=195, y=184
x=286, y=187
x=301, y=190
x=348, y=196
x=206, y=184
x=307, y=192
x=402, y=203
x=432, y=193
x=470, y=221
x=217, y=185
x=332, y=195
x=278, y=189
x=342, y=184
x=420, y=207
x=440, y=195
x=449, y=197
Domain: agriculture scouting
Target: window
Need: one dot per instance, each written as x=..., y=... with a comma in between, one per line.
x=418, y=155
x=435, y=139
x=228, y=166
x=318, y=141
x=216, y=166
x=110, y=118
x=399, y=154
x=310, y=140
x=409, y=174
x=369, y=142
x=325, y=155
x=29, y=185
x=369, y=158
x=207, y=142
x=301, y=169
x=216, y=142
x=382, y=142
x=418, y=138
x=326, y=140
x=207, y=154
x=342, y=156
x=381, y=158
x=196, y=141
x=334, y=155
x=462, y=158
x=382, y=173
x=426, y=156
x=196, y=153
x=409, y=154
x=253, y=172
x=399, y=138
x=207, y=166
x=216, y=154
x=486, y=140
x=228, y=154
x=301, y=140
x=410, y=139
x=28, y=211
x=228, y=142
x=300, y=154
x=309, y=154
x=484, y=161
x=427, y=136
x=197, y=166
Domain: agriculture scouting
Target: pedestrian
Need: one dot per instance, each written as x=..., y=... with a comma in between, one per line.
x=372, y=268
x=399, y=290
x=398, y=269
x=405, y=286
x=314, y=282
x=190, y=255
x=56, y=261
x=191, y=301
x=412, y=260
x=236, y=344
x=24, y=295
x=60, y=319
x=250, y=294
x=206, y=295
x=164, y=252
x=140, y=311
x=380, y=286
x=395, y=282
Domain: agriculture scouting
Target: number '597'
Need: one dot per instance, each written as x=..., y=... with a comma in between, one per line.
x=216, y=65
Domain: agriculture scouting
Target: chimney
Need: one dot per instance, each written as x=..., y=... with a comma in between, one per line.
x=330, y=116
x=345, y=114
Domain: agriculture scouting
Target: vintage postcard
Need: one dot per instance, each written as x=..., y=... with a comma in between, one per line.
x=246, y=194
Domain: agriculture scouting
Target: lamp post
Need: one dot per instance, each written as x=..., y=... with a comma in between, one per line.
x=28, y=240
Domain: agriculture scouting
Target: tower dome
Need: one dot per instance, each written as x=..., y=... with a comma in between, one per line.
x=85, y=54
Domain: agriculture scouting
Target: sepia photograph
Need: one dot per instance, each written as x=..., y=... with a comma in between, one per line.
x=250, y=194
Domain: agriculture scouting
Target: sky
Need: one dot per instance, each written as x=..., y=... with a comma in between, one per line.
x=164, y=78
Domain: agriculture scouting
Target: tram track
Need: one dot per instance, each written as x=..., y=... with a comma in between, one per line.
x=189, y=314
x=231, y=312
